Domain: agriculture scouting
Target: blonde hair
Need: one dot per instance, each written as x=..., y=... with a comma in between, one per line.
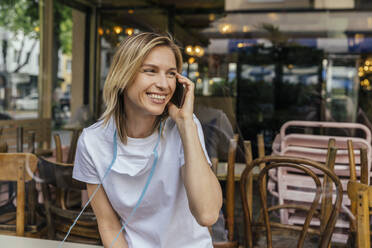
x=126, y=63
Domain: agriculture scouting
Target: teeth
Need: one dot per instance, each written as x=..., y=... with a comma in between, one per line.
x=157, y=96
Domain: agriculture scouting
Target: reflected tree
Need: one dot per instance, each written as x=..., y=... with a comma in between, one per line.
x=21, y=19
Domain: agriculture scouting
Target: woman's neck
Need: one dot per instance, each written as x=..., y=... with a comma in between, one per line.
x=139, y=127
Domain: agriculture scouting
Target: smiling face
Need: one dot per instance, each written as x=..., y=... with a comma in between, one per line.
x=153, y=85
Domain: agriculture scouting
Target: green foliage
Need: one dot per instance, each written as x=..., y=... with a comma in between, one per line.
x=20, y=16
x=64, y=20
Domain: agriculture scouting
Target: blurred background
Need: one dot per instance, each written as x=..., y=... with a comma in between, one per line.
x=255, y=63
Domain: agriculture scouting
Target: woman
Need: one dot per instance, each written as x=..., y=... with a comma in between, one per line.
x=183, y=196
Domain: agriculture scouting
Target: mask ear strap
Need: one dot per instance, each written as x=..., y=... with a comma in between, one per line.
x=95, y=191
x=156, y=156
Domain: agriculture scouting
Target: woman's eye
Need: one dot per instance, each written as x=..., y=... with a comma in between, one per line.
x=171, y=74
x=148, y=70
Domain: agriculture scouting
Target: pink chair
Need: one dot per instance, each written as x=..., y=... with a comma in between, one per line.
x=290, y=186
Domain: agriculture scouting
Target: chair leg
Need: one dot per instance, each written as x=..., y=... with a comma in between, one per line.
x=363, y=220
x=31, y=202
x=48, y=213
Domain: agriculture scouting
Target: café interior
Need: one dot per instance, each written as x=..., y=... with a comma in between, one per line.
x=282, y=91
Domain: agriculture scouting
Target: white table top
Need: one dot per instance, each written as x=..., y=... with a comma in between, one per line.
x=21, y=242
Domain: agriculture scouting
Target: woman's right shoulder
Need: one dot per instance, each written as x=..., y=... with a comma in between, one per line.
x=98, y=131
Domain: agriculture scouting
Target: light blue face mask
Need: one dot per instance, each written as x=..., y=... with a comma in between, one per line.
x=155, y=152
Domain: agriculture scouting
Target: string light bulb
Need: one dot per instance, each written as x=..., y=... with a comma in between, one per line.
x=199, y=51
x=129, y=31
x=189, y=50
x=225, y=28
x=118, y=29
x=100, y=31
x=191, y=60
x=194, y=50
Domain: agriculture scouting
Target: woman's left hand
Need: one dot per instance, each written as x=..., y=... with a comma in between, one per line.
x=185, y=112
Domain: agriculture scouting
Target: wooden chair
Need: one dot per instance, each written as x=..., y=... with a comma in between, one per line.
x=3, y=143
x=328, y=212
x=19, y=167
x=360, y=195
x=41, y=127
x=8, y=191
x=229, y=198
x=4, y=186
x=70, y=151
x=248, y=160
x=58, y=176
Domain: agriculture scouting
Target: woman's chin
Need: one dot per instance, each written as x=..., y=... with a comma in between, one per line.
x=157, y=111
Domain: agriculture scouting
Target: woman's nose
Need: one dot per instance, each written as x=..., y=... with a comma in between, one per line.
x=162, y=81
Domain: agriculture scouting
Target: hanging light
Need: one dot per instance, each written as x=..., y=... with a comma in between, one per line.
x=198, y=51
x=358, y=38
x=189, y=50
x=131, y=11
x=118, y=29
x=273, y=16
x=246, y=28
x=225, y=28
x=191, y=60
x=365, y=83
x=100, y=31
x=129, y=31
x=194, y=50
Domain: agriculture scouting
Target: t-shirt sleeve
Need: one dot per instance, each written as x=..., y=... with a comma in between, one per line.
x=84, y=168
x=201, y=139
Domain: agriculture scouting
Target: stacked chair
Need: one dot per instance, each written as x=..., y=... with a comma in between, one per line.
x=309, y=140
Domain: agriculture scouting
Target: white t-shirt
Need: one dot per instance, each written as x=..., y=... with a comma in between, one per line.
x=163, y=218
